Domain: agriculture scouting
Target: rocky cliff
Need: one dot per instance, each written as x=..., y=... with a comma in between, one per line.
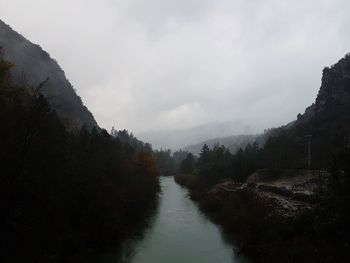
x=334, y=92
x=335, y=88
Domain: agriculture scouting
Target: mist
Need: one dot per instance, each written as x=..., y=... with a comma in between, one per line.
x=151, y=66
x=172, y=130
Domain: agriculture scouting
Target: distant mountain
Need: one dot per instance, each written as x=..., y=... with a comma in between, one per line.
x=33, y=66
x=177, y=139
x=233, y=143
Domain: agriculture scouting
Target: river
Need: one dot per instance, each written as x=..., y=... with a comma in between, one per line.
x=180, y=233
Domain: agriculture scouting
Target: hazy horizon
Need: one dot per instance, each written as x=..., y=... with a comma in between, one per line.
x=172, y=65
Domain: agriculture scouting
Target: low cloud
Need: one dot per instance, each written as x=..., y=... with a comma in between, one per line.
x=158, y=65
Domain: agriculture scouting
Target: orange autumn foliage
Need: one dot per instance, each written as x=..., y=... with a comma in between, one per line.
x=146, y=164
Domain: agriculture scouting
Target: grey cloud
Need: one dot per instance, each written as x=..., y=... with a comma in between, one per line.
x=157, y=65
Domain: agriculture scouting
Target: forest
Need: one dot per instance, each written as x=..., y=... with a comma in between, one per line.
x=316, y=143
x=65, y=193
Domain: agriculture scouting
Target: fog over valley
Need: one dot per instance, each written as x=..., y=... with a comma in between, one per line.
x=151, y=66
x=176, y=131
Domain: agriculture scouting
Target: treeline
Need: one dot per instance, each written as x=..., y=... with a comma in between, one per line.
x=285, y=148
x=320, y=234
x=217, y=163
x=170, y=163
x=65, y=193
x=320, y=138
x=128, y=138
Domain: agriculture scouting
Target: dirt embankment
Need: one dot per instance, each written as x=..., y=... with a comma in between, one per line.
x=270, y=217
x=288, y=193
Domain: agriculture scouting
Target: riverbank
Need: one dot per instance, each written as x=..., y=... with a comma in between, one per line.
x=265, y=221
x=179, y=232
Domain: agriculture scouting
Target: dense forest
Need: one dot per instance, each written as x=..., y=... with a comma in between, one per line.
x=169, y=162
x=316, y=143
x=64, y=193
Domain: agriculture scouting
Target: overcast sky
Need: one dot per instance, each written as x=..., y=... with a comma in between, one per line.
x=160, y=64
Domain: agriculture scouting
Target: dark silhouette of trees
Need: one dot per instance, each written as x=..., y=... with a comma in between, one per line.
x=218, y=163
x=188, y=164
x=321, y=232
x=169, y=163
x=62, y=193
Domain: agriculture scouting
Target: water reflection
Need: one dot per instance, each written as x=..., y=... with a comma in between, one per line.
x=179, y=233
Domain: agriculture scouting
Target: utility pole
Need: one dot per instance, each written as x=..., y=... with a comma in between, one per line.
x=309, y=136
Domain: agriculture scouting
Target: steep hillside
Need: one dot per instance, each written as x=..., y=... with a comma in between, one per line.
x=328, y=119
x=67, y=195
x=289, y=200
x=34, y=66
x=335, y=88
x=334, y=94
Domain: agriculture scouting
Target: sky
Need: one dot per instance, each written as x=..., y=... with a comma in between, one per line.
x=150, y=65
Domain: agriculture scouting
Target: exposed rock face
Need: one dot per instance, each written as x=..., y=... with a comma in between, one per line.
x=33, y=65
x=335, y=88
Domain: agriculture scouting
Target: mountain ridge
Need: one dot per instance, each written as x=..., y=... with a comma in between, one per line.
x=34, y=66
